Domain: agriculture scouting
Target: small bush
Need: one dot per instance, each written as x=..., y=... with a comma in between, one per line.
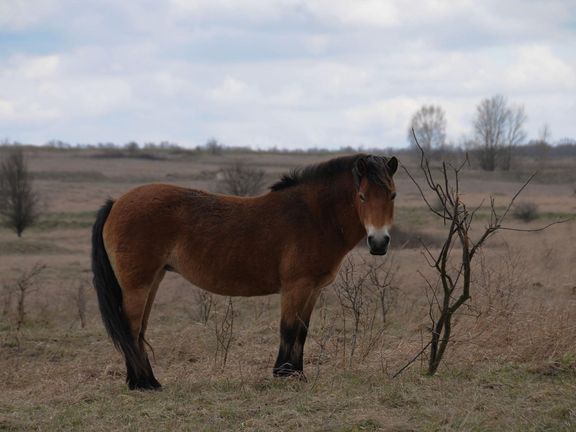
x=242, y=180
x=204, y=304
x=19, y=202
x=525, y=211
x=20, y=288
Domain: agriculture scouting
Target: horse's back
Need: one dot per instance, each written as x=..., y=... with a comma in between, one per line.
x=227, y=245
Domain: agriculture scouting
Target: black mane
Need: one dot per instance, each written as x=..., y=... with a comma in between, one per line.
x=326, y=170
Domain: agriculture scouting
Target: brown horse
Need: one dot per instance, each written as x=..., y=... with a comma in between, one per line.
x=290, y=240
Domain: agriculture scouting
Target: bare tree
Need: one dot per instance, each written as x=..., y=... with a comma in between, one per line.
x=19, y=203
x=542, y=143
x=214, y=147
x=545, y=134
x=242, y=180
x=453, y=263
x=498, y=128
x=132, y=147
x=429, y=125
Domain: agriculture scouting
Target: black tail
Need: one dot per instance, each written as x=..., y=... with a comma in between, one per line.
x=110, y=300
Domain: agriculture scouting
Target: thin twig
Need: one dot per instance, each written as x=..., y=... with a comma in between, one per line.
x=412, y=361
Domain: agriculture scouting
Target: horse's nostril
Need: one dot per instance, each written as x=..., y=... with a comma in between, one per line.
x=378, y=244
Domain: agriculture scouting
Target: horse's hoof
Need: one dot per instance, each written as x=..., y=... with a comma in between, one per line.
x=287, y=371
x=144, y=384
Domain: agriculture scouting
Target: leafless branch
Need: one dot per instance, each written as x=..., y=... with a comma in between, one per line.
x=453, y=273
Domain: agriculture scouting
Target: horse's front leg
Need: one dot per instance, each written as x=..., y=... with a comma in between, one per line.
x=297, y=303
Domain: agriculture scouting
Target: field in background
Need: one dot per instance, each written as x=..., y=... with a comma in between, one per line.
x=512, y=365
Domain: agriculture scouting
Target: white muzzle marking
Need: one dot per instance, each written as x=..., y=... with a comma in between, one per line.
x=378, y=239
x=378, y=233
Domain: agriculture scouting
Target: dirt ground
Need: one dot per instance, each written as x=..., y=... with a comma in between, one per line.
x=511, y=366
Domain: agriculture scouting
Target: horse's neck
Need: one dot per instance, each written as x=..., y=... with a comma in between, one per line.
x=334, y=206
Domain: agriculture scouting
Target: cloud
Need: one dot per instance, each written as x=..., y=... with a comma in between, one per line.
x=537, y=69
x=34, y=68
x=21, y=14
x=46, y=88
x=232, y=90
x=289, y=73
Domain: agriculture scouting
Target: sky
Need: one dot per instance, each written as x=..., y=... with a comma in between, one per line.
x=278, y=73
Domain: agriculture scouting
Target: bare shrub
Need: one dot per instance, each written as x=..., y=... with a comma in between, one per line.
x=525, y=211
x=364, y=291
x=204, y=304
x=261, y=305
x=7, y=294
x=327, y=330
x=495, y=307
x=23, y=286
x=350, y=290
x=224, y=329
x=382, y=278
x=80, y=301
x=516, y=323
x=19, y=203
x=242, y=180
x=499, y=286
x=451, y=289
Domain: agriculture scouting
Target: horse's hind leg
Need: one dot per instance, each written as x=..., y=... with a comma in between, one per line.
x=297, y=305
x=138, y=297
x=141, y=339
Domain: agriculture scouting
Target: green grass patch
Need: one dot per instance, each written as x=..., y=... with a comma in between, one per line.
x=24, y=246
x=70, y=176
x=64, y=220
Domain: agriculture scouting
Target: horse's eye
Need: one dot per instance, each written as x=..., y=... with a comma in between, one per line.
x=362, y=197
x=393, y=195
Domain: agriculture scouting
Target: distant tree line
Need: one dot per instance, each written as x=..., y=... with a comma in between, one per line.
x=498, y=134
x=212, y=146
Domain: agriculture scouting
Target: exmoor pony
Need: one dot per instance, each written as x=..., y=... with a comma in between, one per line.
x=290, y=240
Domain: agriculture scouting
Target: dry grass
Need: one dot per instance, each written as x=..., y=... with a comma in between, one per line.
x=512, y=365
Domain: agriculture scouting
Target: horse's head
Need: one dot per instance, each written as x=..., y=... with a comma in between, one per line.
x=375, y=193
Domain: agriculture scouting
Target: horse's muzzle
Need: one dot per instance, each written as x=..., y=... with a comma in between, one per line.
x=378, y=245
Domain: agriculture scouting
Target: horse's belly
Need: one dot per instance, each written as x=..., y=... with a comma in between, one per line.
x=232, y=280
x=234, y=287
x=228, y=265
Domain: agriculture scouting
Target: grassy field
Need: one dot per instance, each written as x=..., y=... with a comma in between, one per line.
x=511, y=366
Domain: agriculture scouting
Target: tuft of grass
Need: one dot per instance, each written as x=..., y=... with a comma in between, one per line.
x=525, y=211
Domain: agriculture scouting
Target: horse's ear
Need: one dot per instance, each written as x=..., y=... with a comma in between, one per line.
x=359, y=170
x=392, y=165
